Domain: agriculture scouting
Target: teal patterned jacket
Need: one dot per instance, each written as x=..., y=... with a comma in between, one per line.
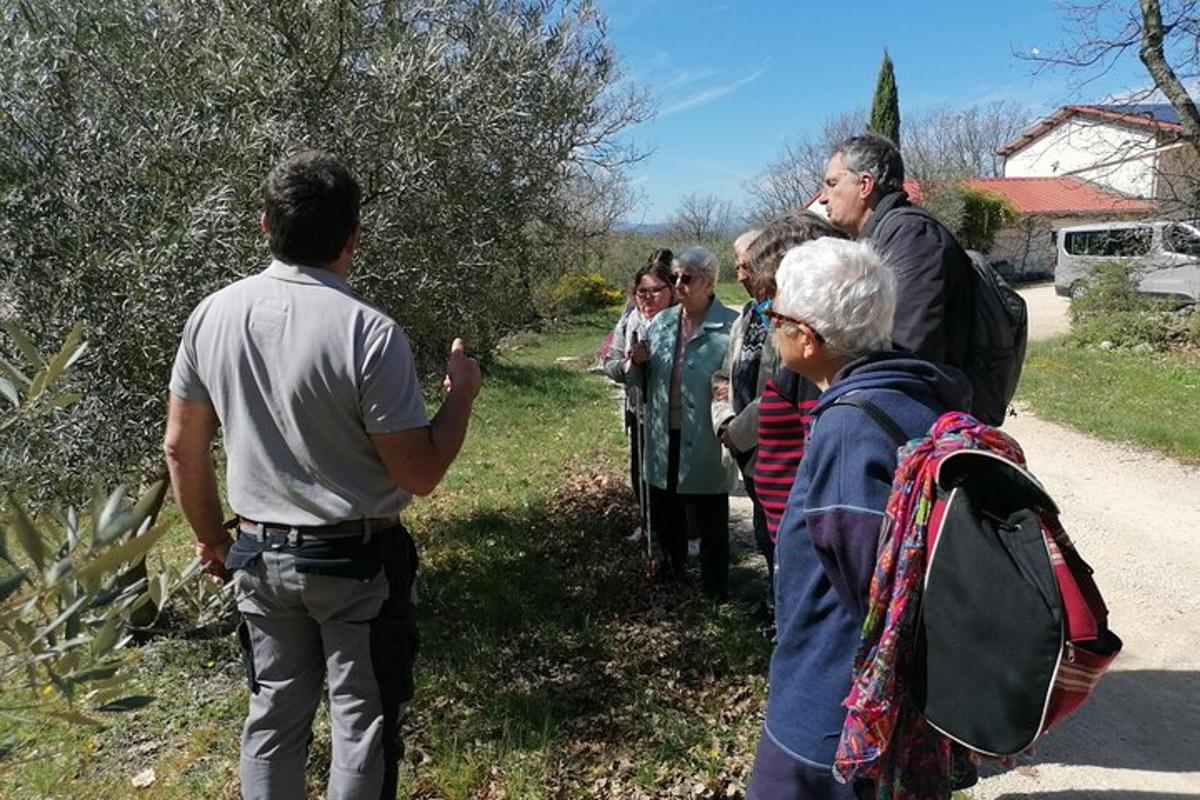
x=700, y=467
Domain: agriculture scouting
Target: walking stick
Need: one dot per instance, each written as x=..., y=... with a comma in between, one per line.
x=639, y=414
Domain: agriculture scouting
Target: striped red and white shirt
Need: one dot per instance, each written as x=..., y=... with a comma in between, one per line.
x=784, y=416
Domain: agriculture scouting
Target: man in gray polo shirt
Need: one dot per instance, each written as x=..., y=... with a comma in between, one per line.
x=326, y=440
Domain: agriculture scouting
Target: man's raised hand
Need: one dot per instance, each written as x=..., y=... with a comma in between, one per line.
x=462, y=371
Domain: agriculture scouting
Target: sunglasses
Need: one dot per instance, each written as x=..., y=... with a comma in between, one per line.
x=684, y=278
x=775, y=319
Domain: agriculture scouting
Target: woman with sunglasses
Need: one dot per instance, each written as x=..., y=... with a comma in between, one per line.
x=651, y=293
x=832, y=323
x=689, y=483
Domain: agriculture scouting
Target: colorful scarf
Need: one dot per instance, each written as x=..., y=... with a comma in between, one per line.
x=884, y=737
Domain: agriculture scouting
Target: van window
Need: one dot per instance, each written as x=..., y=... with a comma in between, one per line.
x=1182, y=240
x=1121, y=242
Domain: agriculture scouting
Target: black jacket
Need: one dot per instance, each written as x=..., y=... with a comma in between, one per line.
x=934, y=298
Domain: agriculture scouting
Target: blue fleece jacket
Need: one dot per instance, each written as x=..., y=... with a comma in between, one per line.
x=828, y=538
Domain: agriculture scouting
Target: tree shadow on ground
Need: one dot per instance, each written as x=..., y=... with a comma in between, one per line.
x=1135, y=719
x=542, y=626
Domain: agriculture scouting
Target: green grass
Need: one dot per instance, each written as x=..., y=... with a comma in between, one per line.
x=1147, y=399
x=548, y=667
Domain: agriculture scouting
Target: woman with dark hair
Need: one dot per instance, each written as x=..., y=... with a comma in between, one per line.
x=651, y=293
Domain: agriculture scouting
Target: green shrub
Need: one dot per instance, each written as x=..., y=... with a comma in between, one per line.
x=974, y=215
x=1110, y=309
x=574, y=293
x=1191, y=329
x=1123, y=328
x=1110, y=288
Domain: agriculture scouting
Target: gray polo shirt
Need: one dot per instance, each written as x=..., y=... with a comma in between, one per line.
x=300, y=371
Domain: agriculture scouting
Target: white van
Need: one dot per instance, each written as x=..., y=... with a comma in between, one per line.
x=1163, y=254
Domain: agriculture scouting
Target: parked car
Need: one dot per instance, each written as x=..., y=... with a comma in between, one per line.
x=1163, y=255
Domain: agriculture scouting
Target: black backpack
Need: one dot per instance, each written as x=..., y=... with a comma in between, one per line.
x=1013, y=633
x=996, y=351
x=999, y=333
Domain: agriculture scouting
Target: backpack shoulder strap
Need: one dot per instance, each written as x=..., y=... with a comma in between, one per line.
x=881, y=418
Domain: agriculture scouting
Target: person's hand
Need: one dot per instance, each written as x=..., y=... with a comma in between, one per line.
x=639, y=353
x=212, y=559
x=462, y=371
x=727, y=439
x=721, y=393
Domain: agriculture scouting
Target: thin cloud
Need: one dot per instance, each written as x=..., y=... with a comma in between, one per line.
x=686, y=77
x=709, y=95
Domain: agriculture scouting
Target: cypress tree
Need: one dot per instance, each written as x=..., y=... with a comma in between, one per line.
x=885, y=106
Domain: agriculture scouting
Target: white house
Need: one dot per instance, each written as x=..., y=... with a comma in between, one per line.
x=1134, y=150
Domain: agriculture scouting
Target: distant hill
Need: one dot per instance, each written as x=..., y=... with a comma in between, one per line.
x=640, y=227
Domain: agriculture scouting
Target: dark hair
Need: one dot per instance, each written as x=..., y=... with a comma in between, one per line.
x=311, y=202
x=660, y=255
x=875, y=155
x=781, y=235
x=658, y=270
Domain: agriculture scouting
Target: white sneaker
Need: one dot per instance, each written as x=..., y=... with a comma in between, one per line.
x=636, y=536
x=693, y=548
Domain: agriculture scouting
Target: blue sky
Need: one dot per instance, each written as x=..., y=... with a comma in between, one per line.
x=733, y=80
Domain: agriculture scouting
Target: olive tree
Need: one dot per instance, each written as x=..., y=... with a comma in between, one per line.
x=66, y=593
x=134, y=136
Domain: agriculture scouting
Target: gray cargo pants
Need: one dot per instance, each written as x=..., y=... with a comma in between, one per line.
x=302, y=626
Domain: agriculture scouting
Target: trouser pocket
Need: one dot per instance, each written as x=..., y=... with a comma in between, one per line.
x=247, y=647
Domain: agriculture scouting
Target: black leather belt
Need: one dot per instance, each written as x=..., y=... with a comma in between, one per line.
x=349, y=527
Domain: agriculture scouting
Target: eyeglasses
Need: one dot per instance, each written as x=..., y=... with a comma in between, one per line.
x=774, y=319
x=682, y=277
x=646, y=294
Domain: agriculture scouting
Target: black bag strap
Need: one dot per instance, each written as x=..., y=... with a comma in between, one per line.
x=889, y=425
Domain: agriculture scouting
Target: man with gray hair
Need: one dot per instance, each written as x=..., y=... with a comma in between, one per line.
x=864, y=195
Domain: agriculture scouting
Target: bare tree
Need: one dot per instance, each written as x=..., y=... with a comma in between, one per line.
x=794, y=178
x=943, y=143
x=1164, y=35
x=940, y=143
x=701, y=218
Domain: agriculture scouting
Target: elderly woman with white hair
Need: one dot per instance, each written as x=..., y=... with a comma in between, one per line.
x=689, y=481
x=832, y=323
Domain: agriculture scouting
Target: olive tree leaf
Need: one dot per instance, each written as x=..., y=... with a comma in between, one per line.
x=11, y=584
x=10, y=392
x=112, y=558
x=27, y=535
x=23, y=343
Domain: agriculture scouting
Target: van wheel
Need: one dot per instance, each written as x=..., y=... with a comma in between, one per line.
x=1078, y=290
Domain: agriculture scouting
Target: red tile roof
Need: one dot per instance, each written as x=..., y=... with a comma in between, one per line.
x=1058, y=195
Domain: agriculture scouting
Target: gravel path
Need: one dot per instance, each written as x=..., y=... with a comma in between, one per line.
x=1134, y=516
x=1047, y=311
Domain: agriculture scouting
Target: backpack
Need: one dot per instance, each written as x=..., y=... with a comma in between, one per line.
x=998, y=336
x=1012, y=634
x=996, y=349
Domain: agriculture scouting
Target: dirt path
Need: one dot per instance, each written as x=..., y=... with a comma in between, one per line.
x=1047, y=312
x=1135, y=516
